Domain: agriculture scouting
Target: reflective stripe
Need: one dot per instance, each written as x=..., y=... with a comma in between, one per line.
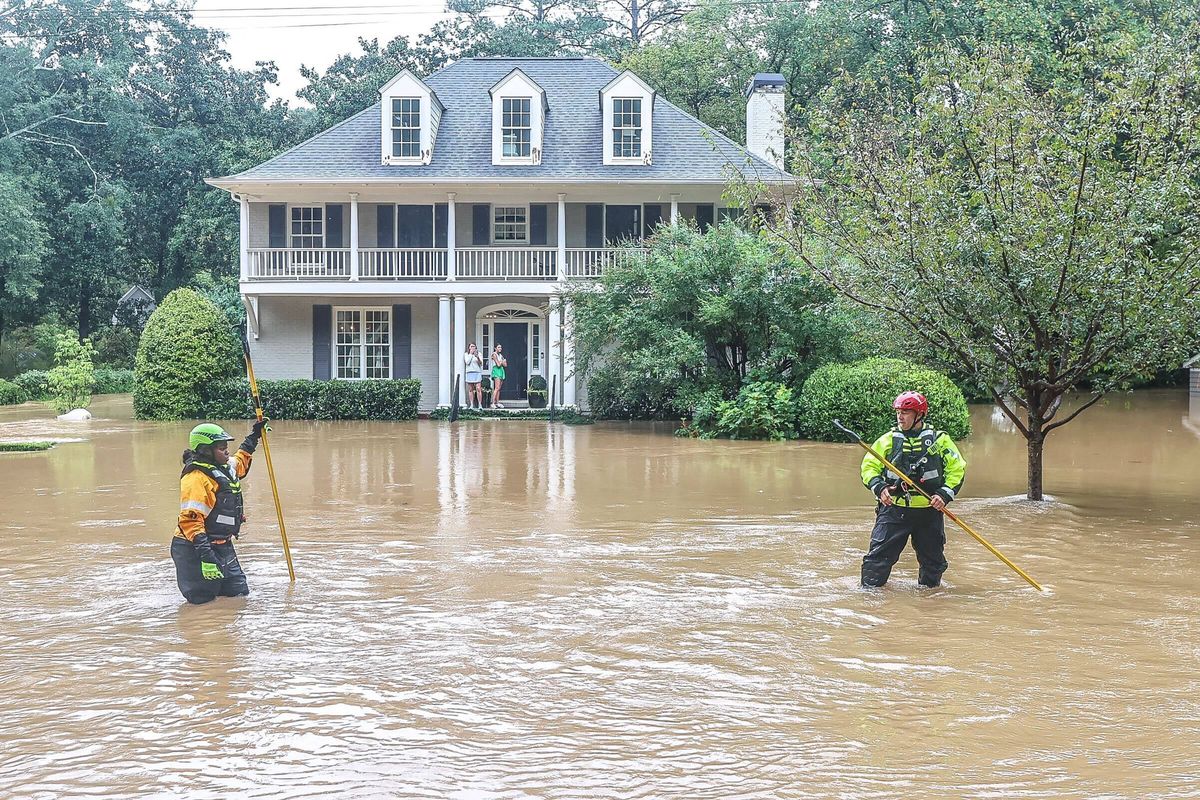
x=948, y=491
x=196, y=505
x=225, y=520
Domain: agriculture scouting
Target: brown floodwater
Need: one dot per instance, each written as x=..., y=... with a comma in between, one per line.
x=520, y=610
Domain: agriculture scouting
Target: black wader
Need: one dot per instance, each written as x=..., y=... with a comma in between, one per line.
x=893, y=525
x=191, y=581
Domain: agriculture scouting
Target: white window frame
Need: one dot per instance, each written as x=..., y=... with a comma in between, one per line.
x=494, y=223
x=640, y=128
x=393, y=127
x=528, y=112
x=362, y=344
x=291, y=236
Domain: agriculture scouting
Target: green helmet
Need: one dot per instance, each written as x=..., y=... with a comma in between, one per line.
x=207, y=434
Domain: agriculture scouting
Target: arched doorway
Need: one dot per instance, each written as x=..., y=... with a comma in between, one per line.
x=521, y=329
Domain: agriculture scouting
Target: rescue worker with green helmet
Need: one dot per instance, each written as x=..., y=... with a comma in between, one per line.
x=930, y=458
x=211, y=515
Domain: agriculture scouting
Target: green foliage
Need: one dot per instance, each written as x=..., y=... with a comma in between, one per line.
x=700, y=312
x=35, y=383
x=568, y=415
x=24, y=447
x=861, y=395
x=70, y=381
x=187, y=344
x=116, y=346
x=113, y=381
x=319, y=400
x=761, y=410
x=11, y=394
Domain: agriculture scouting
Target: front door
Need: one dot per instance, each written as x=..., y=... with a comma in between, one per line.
x=514, y=338
x=622, y=223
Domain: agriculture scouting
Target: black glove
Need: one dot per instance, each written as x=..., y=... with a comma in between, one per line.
x=256, y=430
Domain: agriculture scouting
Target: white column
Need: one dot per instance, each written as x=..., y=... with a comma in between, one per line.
x=562, y=236
x=451, y=244
x=460, y=344
x=554, y=351
x=244, y=233
x=444, y=347
x=569, y=356
x=674, y=209
x=354, y=236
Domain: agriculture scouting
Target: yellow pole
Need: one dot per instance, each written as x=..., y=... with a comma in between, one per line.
x=287, y=550
x=945, y=511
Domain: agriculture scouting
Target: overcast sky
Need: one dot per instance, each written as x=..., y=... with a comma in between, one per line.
x=310, y=32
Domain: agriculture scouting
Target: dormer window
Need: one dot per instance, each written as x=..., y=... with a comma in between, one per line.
x=516, y=130
x=627, y=105
x=406, y=127
x=409, y=117
x=518, y=120
x=627, y=127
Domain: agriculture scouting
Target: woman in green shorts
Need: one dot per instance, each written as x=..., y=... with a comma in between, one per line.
x=499, y=362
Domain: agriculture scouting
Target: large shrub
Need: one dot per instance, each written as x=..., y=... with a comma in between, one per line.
x=70, y=381
x=305, y=399
x=187, y=344
x=35, y=382
x=861, y=395
x=11, y=394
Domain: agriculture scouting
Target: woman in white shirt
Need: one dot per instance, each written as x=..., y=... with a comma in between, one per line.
x=473, y=369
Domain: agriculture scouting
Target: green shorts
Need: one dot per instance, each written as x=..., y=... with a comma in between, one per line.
x=498, y=372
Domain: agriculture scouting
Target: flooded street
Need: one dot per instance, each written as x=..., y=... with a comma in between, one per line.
x=519, y=610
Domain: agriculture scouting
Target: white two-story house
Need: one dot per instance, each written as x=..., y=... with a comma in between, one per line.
x=457, y=208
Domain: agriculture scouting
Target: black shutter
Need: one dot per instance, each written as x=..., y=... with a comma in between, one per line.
x=385, y=225
x=652, y=218
x=595, y=225
x=277, y=225
x=481, y=224
x=704, y=216
x=441, y=217
x=322, y=335
x=333, y=225
x=537, y=223
x=402, y=341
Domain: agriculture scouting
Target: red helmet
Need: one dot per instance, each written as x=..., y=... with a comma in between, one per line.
x=911, y=401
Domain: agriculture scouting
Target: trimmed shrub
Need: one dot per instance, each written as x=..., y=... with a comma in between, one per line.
x=186, y=346
x=323, y=400
x=113, y=381
x=35, y=382
x=861, y=395
x=11, y=394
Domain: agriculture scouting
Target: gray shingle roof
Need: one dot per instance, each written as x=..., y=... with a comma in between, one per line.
x=685, y=149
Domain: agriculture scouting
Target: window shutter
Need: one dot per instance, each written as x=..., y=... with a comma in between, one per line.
x=277, y=225
x=595, y=225
x=537, y=223
x=402, y=341
x=653, y=217
x=333, y=225
x=440, y=219
x=704, y=216
x=385, y=224
x=322, y=337
x=481, y=224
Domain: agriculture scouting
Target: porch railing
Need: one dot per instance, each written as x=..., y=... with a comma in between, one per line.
x=507, y=263
x=590, y=262
x=424, y=263
x=288, y=263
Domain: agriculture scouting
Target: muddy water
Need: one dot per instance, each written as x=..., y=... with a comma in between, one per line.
x=511, y=610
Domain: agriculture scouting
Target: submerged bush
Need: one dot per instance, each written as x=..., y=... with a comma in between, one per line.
x=70, y=381
x=11, y=394
x=113, y=381
x=187, y=345
x=861, y=395
x=35, y=382
x=307, y=399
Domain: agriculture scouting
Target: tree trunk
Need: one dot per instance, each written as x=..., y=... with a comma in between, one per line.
x=1035, y=443
x=85, y=313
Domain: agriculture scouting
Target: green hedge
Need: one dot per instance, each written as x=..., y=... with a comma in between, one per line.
x=186, y=346
x=24, y=447
x=567, y=414
x=113, y=381
x=11, y=394
x=861, y=395
x=304, y=399
x=35, y=382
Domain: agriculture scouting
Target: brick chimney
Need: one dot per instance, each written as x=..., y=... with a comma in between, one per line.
x=764, y=117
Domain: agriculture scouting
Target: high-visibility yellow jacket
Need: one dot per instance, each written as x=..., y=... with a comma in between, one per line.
x=927, y=456
x=198, y=496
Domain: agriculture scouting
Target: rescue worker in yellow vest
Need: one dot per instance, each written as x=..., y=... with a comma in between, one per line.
x=211, y=515
x=932, y=460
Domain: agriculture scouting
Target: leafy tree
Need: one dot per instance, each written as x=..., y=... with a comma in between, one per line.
x=70, y=381
x=1040, y=240
x=22, y=246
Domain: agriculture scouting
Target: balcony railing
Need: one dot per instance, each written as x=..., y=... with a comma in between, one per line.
x=431, y=264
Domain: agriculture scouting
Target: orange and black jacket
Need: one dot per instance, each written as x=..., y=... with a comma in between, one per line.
x=210, y=501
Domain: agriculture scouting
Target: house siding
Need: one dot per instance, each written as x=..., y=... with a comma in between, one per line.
x=259, y=225
x=368, y=225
